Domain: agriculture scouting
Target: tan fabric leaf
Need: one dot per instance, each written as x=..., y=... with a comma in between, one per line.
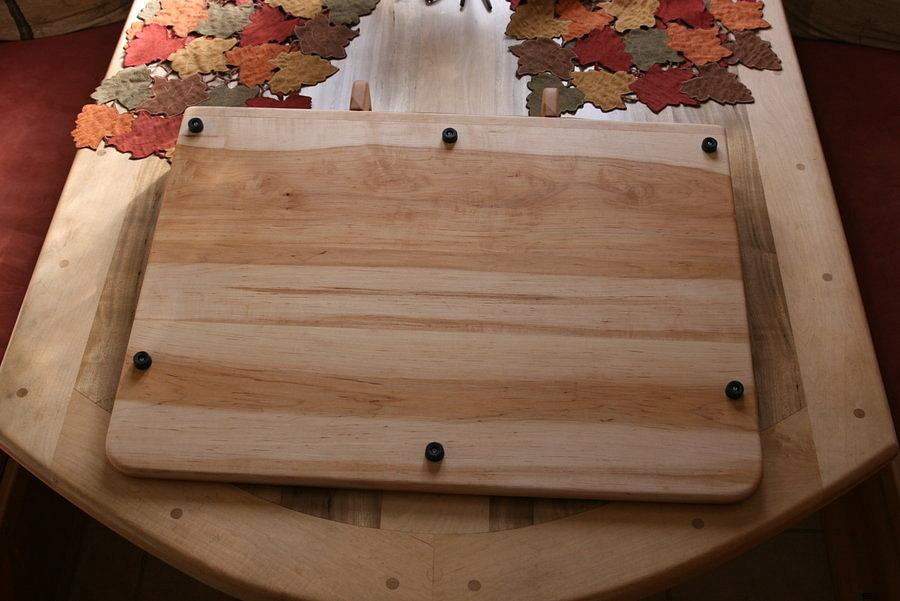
x=298, y=8
x=348, y=12
x=255, y=62
x=319, y=36
x=225, y=19
x=182, y=15
x=172, y=96
x=648, y=47
x=130, y=87
x=738, y=16
x=95, y=122
x=700, y=46
x=581, y=20
x=631, y=14
x=604, y=90
x=133, y=29
x=751, y=50
x=534, y=20
x=149, y=11
x=203, y=55
x=297, y=69
x=538, y=56
x=225, y=96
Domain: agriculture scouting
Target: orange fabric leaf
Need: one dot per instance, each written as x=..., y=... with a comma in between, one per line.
x=182, y=15
x=738, y=16
x=95, y=122
x=700, y=46
x=254, y=62
x=581, y=20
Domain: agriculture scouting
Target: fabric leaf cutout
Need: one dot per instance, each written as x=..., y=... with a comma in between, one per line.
x=719, y=84
x=268, y=24
x=603, y=47
x=738, y=16
x=581, y=20
x=148, y=135
x=254, y=62
x=172, y=96
x=348, y=12
x=225, y=96
x=649, y=47
x=297, y=69
x=749, y=49
x=97, y=121
x=149, y=11
x=152, y=43
x=690, y=12
x=298, y=8
x=182, y=15
x=202, y=55
x=225, y=19
x=536, y=20
x=659, y=89
x=631, y=14
x=570, y=98
x=604, y=90
x=538, y=56
x=130, y=87
x=294, y=101
x=319, y=36
x=700, y=46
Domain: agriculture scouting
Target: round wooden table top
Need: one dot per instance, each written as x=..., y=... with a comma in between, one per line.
x=824, y=419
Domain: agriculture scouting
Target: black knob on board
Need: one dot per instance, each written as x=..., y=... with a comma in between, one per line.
x=434, y=451
x=195, y=125
x=709, y=145
x=449, y=136
x=734, y=390
x=142, y=360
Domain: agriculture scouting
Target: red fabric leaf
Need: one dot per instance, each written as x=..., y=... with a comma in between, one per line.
x=604, y=47
x=148, y=135
x=152, y=43
x=294, y=101
x=659, y=89
x=690, y=12
x=268, y=24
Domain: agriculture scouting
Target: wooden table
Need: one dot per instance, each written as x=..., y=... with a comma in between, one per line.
x=823, y=413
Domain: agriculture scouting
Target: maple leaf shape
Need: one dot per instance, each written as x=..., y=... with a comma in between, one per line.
x=581, y=20
x=268, y=24
x=536, y=20
x=172, y=96
x=203, y=55
x=294, y=101
x=148, y=135
x=152, y=43
x=133, y=29
x=254, y=62
x=225, y=96
x=182, y=15
x=719, y=84
x=691, y=12
x=538, y=56
x=659, y=89
x=319, y=36
x=97, y=121
x=648, y=47
x=603, y=47
x=130, y=87
x=738, y=16
x=749, y=49
x=348, y=12
x=298, y=8
x=631, y=14
x=149, y=11
x=297, y=69
x=225, y=19
x=604, y=90
x=570, y=97
x=700, y=46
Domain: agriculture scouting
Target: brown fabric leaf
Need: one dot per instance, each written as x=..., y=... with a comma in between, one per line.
x=203, y=55
x=738, y=16
x=254, y=62
x=172, y=96
x=97, y=121
x=719, y=84
x=700, y=46
x=297, y=69
x=538, y=56
x=581, y=20
x=570, y=98
x=130, y=87
x=225, y=20
x=348, y=12
x=225, y=96
x=631, y=14
x=604, y=90
x=298, y=8
x=536, y=20
x=649, y=47
x=319, y=36
x=754, y=52
x=182, y=15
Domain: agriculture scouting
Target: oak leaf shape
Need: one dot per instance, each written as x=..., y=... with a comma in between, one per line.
x=268, y=24
x=604, y=90
x=738, y=16
x=538, y=56
x=536, y=20
x=298, y=8
x=202, y=55
x=690, y=12
x=631, y=14
x=225, y=19
x=700, y=46
x=293, y=101
x=649, y=47
x=297, y=69
x=348, y=12
x=719, y=84
x=182, y=15
x=97, y=121
x=152, y=43
x=570, y=98
x=581, y=20
x=148, y=135
x=172, y=96
x=603, y=47
x=225, y=96
x=319, y=36
x=752, y=51
x=129, y=87
x=658, y=88
x=254, y=62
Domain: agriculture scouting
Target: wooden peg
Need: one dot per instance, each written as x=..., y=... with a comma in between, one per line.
x=360, y=99
x=550, y=102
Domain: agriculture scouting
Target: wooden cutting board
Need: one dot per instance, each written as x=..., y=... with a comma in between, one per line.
x=557, y=302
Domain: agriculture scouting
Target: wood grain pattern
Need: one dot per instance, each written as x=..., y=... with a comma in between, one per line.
x=499, y=303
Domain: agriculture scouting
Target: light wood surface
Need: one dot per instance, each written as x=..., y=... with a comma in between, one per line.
x=563, y=318
x=823, y=417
